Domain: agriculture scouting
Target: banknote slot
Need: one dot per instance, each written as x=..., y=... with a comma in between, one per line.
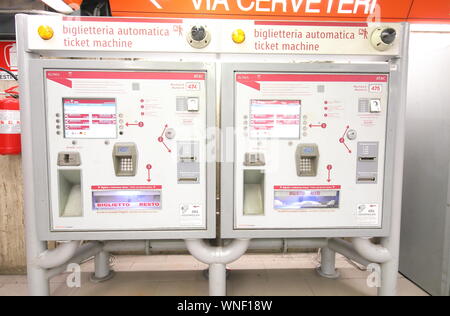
x=367, y=179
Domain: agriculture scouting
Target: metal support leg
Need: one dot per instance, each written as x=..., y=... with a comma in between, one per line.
x=327, y=267
x=389, y=270
x=38, y=283
x=217, y=258
x=217, y=279
x=103, y=270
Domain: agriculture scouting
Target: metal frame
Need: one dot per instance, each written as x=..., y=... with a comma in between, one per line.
x=31, y=69
x=393, y=118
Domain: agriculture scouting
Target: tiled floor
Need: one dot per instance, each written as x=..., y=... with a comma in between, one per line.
x=252, y=275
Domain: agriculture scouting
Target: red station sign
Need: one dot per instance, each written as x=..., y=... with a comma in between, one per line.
x=415, y=11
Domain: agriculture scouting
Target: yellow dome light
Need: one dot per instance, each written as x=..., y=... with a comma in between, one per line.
x=46, y=32
x=238, y=36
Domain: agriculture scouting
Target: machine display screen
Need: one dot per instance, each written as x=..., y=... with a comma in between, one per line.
x=275, y=119
x=126, y=200
x=314, y=199
x=90, y=118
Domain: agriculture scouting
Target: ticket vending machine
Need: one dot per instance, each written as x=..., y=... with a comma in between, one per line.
x=313, y=154
x=125, y=148
x=314, y=144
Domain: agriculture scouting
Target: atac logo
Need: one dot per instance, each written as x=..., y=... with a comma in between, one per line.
x=193, y=86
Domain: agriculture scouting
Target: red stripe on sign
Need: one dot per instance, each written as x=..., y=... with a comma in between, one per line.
x=293, y=23
x=253, y=80
x=120, y=20
x=65, y=77
x=307, y=187
x=126, y=187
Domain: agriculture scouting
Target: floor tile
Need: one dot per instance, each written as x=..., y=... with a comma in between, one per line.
x=248, y=283
x=407, y=288
x=340, y=287
x=14, y=289
x=251, y=275
x=13, y=279
x=188, y=288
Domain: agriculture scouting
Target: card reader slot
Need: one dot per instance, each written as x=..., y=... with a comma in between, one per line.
x=367, y=158
x=367, y=179
x=188, y=159
x=191, y=179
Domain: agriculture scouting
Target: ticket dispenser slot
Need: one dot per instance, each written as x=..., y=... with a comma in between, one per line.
x=125, y=159
x=70, y=195
x=307, y=160
x=254, y=182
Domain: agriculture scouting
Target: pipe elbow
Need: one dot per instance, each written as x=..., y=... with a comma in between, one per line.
x=235, y=250
x=50, y=259
x=222, y=255
x=370, y=251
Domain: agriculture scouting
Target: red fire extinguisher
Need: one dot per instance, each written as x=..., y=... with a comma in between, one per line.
x=10, y=143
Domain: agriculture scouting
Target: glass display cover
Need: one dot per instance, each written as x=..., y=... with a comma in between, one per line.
x=275, y=119
x=126, y=200
x=302, y=199
x=90, y=118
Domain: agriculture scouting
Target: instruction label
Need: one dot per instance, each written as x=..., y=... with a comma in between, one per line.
x=368, y=214
x=191, y=215
x=9, y=122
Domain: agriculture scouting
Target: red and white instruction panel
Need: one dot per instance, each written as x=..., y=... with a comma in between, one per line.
x=127, y=149
x=310, y=150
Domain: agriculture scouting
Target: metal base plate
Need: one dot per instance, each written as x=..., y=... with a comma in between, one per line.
x=333, y=276
x=94, y=279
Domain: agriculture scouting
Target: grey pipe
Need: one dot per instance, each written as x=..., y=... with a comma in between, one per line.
x=102, y=267
x=370, y=251
x=118, y=246
x=83, y=253
x=327, y=267
x=346, y=249
x=210, y=255
x=176, y=245
x=217, y=279
x=217, y=258
x=286, y=244
x=56, y=257
x=37, y=283
x=389, y=269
